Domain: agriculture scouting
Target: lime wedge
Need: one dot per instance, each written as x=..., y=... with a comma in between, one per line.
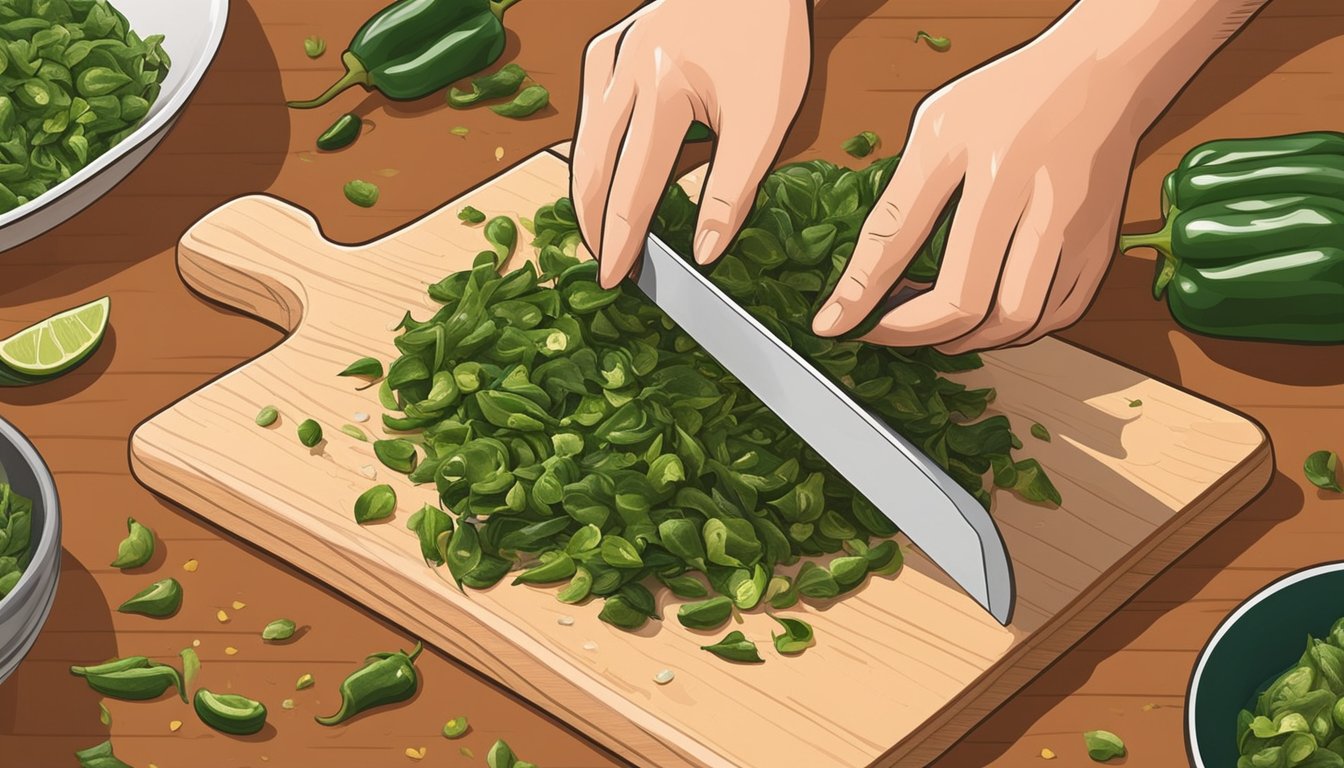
x=56, y=344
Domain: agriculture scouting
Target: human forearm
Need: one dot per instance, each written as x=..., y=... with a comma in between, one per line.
x=1147, y=48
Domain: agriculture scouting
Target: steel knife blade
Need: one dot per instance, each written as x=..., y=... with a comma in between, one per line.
x=929, y=507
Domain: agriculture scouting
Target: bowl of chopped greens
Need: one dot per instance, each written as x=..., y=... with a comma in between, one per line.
x=88, y=88
x=30, y=546
x=1268, y=688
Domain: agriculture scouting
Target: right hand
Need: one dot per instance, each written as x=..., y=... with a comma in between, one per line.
x=740, y=67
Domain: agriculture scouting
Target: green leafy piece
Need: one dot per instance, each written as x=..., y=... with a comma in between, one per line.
x=618, y=552
x=705, y=614
x=579, y=588
x=939, y=44
x=735, y=647
x=462, y=131
x=501, y=756
x=398, y=454
x=354, y=432
x=619, y=611
x=456, y=728
x=158, y=600
x=278, y=630
x=362, y=193
x=1039, y=432
x=134, y=551
x=531, y=100
x=99, y=756
x=1322, y=470
x=1103, y=745
x=429, y=523
x=314, y=46
x=554, y=566
x=1135, y=403
x=310, y=433
x=377, y=503
x=862, y=145
x=470, y=215
x=685, y=585
x=796, y=637
x=364, y=366
x=305, y=681
x=267, y=416
x=496, y=85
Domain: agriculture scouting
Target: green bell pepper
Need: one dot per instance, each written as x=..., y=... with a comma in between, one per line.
x=413, y=48
x=1253, y=242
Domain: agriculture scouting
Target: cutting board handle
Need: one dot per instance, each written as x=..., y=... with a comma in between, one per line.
x=250, y=254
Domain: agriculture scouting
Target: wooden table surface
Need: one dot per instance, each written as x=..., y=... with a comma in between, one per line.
x=1129, y=676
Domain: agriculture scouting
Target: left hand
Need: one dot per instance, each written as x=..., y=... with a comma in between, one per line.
x=1041, y=143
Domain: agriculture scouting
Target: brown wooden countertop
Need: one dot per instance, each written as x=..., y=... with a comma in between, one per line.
x=1129, y=676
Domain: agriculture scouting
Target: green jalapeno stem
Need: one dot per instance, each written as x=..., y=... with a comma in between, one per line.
x=355, y=74
x=1159, y=241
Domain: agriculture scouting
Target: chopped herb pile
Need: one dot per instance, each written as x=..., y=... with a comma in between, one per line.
x=16, y=525
x=579, y=433
x=1299, y=718
x=74, y=81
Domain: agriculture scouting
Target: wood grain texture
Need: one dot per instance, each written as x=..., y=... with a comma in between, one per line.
x=902, y=669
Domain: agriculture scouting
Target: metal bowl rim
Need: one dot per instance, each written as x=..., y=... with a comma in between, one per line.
x=49, y=538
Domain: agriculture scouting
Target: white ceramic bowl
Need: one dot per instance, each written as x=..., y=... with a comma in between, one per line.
x=192, y=30
x=25, y=608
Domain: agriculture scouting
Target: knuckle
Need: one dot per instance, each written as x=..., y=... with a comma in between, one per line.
x=885, y=220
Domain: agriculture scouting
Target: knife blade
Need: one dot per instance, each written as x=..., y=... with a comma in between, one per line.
x=929, y=507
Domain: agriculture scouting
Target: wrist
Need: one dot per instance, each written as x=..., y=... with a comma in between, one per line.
x=1142, y=53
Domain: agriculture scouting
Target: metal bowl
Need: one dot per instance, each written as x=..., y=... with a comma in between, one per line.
x=192, y=32
x=25, y=608
x=1259, y=641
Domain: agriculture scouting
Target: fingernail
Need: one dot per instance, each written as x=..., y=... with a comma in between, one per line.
x=826, y=318
x=705, y=244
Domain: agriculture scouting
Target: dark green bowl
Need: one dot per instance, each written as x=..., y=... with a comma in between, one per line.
x=1261, y=639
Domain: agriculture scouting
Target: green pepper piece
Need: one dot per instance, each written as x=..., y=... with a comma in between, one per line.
x=229, y=712
x=108, y=667
x=706, y=614
x=1321, y=470
x=413, y=48
x=362, y=193
x=160, y=599
x=137, y=683
x=310, y=433
x=99, y=756
x=496, y=85
x=278, y=631
x=267, y=416
x=341, y=134
x=385, y=678
x=137, y=548
x=735, y=647
x=531, y=100
x=937, y=43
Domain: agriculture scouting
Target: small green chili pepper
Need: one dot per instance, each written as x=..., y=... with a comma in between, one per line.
x=495, y=85
x=385, y=678
x=529, y=102
x=341, y=134
x=229, y=712
x=108, y=667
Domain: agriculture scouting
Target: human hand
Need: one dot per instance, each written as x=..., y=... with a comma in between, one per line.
x=646, y=79
x=1040, y=142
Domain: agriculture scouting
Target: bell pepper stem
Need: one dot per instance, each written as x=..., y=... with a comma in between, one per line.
x=1159, y=241
x=498, y=7
x=355, y=74
x=415, y=652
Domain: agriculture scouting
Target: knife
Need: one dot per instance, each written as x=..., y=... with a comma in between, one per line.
x=938, y=515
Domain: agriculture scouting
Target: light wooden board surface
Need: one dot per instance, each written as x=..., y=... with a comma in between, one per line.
x=902, y=668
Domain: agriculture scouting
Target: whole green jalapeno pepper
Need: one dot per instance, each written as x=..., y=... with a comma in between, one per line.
x=114, y=665
x=341, y=134
x=413, y=48
x=1253, y=241
x=385, y=678
x=229, y=712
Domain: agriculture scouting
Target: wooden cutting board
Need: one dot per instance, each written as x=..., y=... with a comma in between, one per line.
x=902, y=668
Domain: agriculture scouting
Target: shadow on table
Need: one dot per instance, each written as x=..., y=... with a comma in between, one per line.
x=237, y=114
x=38, y=700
